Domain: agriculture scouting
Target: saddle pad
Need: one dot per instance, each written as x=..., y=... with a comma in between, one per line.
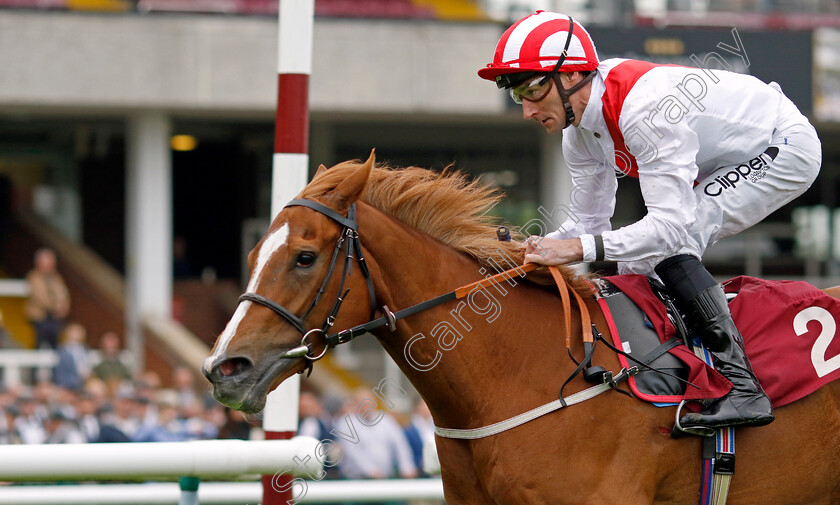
x=789, y=330
x=634, y=333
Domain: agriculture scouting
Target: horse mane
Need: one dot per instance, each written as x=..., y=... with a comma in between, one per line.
x=449, y=206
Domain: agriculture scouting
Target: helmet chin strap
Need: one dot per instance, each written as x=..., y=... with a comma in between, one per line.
x=566, y=93
x=555, y=74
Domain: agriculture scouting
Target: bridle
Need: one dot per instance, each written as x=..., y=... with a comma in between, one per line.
x=348, y=240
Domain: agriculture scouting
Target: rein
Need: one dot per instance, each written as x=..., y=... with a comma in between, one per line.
x=349, y=239
x=606, y=380
x=390, y=318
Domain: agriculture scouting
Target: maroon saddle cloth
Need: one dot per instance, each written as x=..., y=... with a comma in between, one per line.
x=789, y=330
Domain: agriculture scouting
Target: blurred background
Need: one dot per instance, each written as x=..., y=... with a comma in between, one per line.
x=127, y=124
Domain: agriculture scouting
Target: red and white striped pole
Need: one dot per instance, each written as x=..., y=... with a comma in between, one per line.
x=289, y=176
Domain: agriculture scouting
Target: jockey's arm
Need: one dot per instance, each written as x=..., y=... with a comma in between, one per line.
x=666, y=177
x=591, y=205
x=665, y=181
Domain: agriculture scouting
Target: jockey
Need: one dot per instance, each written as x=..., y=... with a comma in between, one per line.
x=714, y=151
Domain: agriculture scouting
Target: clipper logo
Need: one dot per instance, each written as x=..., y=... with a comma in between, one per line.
x=753, y=171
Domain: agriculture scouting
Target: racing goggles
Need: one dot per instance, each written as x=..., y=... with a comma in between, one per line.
x=532, y=89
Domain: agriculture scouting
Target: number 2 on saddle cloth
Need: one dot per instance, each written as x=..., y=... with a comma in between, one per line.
x=791, y=357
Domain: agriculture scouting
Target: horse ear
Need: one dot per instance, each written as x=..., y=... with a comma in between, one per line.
x=321, y=170
x=350, y=189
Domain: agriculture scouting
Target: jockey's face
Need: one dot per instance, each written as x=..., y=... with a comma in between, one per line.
x=549, y=111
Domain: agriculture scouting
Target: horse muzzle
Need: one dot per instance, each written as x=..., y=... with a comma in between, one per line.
x=231, y=378
x=241, y=384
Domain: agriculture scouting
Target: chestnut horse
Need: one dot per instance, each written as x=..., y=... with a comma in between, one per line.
x=423, y=234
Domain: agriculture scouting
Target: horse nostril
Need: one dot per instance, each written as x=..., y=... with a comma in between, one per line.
x=232, y=367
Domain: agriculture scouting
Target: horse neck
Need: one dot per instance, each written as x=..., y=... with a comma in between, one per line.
x=480, y=352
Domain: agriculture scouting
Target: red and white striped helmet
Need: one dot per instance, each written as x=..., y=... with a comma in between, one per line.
x=535, y=43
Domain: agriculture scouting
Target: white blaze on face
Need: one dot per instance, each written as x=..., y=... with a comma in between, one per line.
x=270, y=245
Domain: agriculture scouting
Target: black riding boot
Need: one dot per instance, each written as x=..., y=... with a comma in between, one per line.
x=704, y=303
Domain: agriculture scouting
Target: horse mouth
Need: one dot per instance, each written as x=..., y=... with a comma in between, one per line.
x=239, y=385
x=251, y=402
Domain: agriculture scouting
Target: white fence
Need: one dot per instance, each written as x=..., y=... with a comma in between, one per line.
x=214, y=459
x=22, y=366
x=17, y=288
x=158, y=460
x=187, y=461
x=223, y=493
x=16, y=362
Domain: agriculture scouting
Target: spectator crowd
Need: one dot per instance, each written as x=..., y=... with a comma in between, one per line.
x=91, y=396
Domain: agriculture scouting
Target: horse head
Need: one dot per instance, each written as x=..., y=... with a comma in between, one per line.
x=297, y=283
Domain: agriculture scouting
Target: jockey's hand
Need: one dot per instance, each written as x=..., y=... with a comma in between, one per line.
x=549, y=251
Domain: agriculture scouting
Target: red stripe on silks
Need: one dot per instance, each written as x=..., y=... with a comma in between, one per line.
x=291, y=134
x=618, y=83
x=277, y=488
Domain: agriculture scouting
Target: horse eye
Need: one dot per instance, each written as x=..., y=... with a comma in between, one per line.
x=305, y=259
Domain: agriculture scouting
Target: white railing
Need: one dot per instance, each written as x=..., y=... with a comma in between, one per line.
x=219, y=493
x=16, y=362
x=14, y=288
x=157, y=460
x=185, y=461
